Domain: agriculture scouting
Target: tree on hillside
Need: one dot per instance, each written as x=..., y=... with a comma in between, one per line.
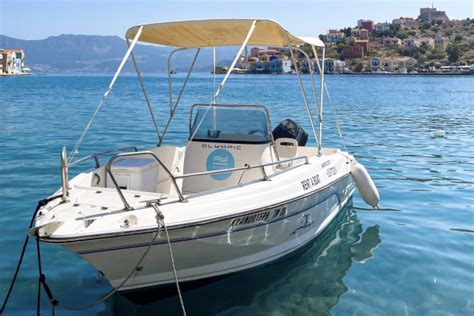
x=425, y=26
x=458, y=38
x=453, y=52
x=347, y=31
x=359, y=67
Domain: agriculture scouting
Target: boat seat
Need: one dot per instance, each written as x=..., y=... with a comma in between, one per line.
x=286, y=148
x=207, y=156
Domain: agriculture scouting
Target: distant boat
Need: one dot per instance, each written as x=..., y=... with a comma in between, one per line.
x=173, y=72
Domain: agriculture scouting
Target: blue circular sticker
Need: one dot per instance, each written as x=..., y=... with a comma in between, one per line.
x=220, y=159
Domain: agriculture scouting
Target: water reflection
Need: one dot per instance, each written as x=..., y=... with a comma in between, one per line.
x=309, y=282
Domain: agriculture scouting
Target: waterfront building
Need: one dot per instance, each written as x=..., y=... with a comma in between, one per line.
x=366, y=24
x=382, y=27
x=432, y=14
x=279, y=66
x=254, y=51
x=356, y=51
x=360, y=33
x=391, y=42
x=365, y=44
x=405, y=22
x=334, y=36
x=332, y=66
x=267, y=60
x=392, y=64
x=12, y=61
x=375, y=64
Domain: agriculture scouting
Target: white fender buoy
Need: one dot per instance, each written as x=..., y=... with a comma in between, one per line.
x=439, y=133
x=367, y=189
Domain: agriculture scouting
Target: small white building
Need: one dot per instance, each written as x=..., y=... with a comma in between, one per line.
x=334, y=36
x=392, y=64
x=417, y=42
x=280, y=66
x=405, y=22
x=332, y=66
x=382, y=27
x=391, y=42
x=12, y=61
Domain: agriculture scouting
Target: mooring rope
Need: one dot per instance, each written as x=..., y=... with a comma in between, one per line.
x=161, y=219
x=42, y=278
x=41, y=203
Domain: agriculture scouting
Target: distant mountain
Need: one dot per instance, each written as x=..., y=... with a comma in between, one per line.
x=102, y=54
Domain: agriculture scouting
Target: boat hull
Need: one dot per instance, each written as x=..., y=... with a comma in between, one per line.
x=218, y=247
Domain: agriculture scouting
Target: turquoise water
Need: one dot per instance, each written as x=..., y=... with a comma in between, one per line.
x=418, y=260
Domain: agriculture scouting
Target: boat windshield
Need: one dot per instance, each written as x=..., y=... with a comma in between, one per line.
x=231, y=124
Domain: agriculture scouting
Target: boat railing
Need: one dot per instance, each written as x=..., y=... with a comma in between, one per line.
x=96, y=156
x=140, y=153
x=175, y=177
x=245, y=167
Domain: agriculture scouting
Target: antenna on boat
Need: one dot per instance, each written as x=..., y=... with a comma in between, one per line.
x=214, y=87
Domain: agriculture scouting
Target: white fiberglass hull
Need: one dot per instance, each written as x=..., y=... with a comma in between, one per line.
x=218, y=247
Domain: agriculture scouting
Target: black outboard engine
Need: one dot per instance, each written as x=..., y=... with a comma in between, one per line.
x=290, y=129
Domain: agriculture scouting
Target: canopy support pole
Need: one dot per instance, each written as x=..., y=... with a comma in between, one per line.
x=145, y=93
x=321, y=106
x=173, y=109
x=237, y=56
x=170, y=84
x=303, y=91
x=311, y=75
x=106, y=93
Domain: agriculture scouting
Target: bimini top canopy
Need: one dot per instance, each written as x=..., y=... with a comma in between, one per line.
x=221, y=32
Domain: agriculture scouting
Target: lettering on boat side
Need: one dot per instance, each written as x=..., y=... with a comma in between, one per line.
x=259, y=217
x=222, y=146
x=220, y=159
x=331, y=171
x=310, y=182
x=326, y=163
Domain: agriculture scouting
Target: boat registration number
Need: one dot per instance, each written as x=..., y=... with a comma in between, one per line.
x=259, y=217
x=310, y=182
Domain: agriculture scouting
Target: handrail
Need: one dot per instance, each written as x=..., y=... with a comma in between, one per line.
x=96, y=156
x=173, y=178
x=140, y=153
x=246, y=167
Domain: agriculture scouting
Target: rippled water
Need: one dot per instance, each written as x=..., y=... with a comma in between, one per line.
x=418, y=260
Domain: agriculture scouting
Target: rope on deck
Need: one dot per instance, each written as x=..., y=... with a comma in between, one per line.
x=42, y=278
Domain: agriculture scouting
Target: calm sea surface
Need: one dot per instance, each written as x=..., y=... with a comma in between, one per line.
x=418, y=260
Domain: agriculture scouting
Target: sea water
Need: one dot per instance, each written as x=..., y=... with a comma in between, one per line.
x=416, y=258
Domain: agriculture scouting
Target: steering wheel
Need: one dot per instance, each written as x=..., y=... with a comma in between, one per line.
x=256, y=131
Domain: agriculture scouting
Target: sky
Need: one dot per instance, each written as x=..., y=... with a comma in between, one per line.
x=38, y=19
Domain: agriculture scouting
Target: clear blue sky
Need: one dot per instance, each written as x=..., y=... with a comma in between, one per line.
x=37, y=19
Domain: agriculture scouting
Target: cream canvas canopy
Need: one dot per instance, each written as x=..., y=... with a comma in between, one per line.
x=219, y=32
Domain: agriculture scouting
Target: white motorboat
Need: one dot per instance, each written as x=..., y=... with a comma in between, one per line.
x=237, y=195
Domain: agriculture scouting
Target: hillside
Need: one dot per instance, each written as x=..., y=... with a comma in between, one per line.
x=457, y=49
x=102, y=54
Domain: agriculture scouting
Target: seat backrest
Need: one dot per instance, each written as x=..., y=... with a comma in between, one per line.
x=208, y=156
x=286, y=147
